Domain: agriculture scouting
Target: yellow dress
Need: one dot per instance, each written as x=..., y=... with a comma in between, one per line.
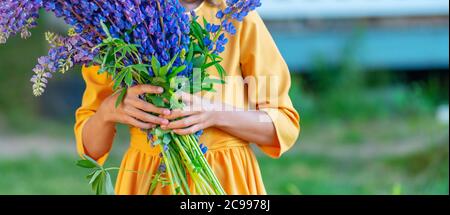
x=250, y=53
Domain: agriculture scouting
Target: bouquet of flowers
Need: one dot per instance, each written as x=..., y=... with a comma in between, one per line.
x=137, y=42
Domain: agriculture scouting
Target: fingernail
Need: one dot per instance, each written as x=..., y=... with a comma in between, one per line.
x=160, y=89
x=166, y=112
x=165, y=121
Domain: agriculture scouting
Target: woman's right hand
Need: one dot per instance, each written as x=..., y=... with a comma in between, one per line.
x=134, y=111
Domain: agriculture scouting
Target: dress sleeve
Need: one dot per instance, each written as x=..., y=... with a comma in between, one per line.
x=98, y=87
x=261, y=61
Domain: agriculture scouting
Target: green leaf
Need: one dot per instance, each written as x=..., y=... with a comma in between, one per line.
x=206, y=66
x=92, y=161
x=220, y=70
x=141, y=67
x=155, y=66
x=197, y=33
x=190, y=53
x=129, y=78
x=108, y=185
x=159, y=81
x=118, y=79
x=177, y=70
x=216, y=57
x=208, y=87
x=163, y=71
x=88, y=177
x=199, y=61
x=121, y=97
x=85, y=164
x=213, y=81
x=169, y=66
x=95, y=176
x=166, y=139
x=105, y=29
x=99, y=184
x=157, y=100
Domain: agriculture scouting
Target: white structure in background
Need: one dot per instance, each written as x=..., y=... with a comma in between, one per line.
x=306, y=9
x=443, y=114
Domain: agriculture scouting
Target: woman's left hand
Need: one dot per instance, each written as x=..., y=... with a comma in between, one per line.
x=198, y=115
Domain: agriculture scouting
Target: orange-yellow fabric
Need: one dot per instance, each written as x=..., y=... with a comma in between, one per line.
x=250, y=53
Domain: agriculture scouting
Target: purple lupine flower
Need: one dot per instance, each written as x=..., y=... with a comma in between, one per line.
x=236, y=10
x=160, y=28
x=18, y=17
x=199, y=133
x=162, y=168
x=203, y=148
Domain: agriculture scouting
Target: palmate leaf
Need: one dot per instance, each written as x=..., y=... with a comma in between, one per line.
x=85, y=164
x=95, y=176
x=88, y=163
x=98, y=184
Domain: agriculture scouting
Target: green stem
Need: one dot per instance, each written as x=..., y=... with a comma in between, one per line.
x=189, y=165
x=154, y=183
x=172, y=186
x=206, y=165
x=176, y=176
x=112, y=168
x=216, y=37
x=180, y=172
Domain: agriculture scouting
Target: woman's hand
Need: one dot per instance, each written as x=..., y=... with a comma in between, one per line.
x=252, y=126
x=98, y=132
x=134, y=111
x=198, y=114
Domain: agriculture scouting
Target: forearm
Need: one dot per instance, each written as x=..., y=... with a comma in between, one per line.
x=98, y=136
x=253, y=126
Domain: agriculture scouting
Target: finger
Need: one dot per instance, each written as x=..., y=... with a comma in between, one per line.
x=146, y=88
x=185, y=122
x=175, y=114
x=145, y=106
x=191, y=130
x=145, y=117
x=138, y=124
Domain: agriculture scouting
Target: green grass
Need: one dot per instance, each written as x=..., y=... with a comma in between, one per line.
x=362, y=132
x=330, y=163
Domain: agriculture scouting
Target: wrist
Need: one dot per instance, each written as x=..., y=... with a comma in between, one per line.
x=221, y=119
x=104, y=117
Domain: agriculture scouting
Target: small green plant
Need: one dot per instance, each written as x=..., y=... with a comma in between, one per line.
x=100, y=177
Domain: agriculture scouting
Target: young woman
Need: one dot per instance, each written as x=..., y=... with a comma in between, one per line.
x=273, y=125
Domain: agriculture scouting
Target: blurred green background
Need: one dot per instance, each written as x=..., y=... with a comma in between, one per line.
x=371, y=88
